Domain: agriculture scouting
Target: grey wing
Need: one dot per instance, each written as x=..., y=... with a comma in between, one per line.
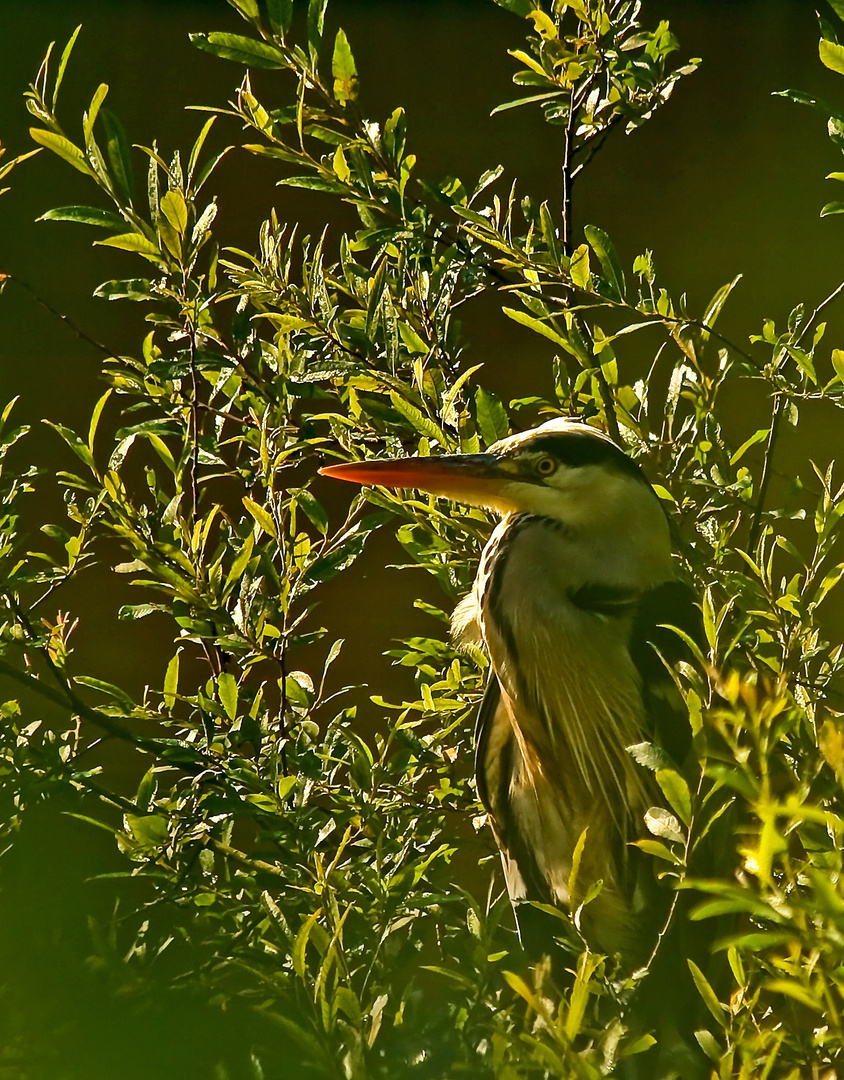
x=652, y=641
x=497, y=759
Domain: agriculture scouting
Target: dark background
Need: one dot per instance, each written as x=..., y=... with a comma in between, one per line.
x=726, y=179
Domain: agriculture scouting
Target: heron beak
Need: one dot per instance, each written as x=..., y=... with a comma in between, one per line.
x=476, y=479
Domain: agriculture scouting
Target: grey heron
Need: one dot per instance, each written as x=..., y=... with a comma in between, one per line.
x=574, y=588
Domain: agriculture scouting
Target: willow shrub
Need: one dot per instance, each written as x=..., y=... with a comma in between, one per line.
x=300, y=879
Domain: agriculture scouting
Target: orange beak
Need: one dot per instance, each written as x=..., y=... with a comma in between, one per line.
x=469, y=478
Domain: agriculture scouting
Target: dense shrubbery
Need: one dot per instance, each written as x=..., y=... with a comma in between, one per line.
x=291, y=869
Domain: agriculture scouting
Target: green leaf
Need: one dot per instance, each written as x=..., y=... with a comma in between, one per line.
x=133, y=242
x=713, y=308
x=794, y=990
x=63, y=147
x=133, y=612
x=119, y=153
x=242, y=561
x=68, y=49
x=491, y=416
x=603, y=248
x=518, y=7
x=314, y=510
x=579, y=271
x=90, y=116
x=710, y=999
x=832, y=55
x=227, y=691
x=755, y=438
x=314, y=183
x=126, y=289
x=174, y=208
x=343, y=69
x=262, y=516
x=658, y=850
x=243, y=50
x=95, y=419
x=280, y=13
x=247, y=8
x=149, y=830
x=838, y=363
x=537, y=326
x=75, y=443
x=297, y=954
x=676, y=790
x=832, y=208
x=109, y=689
x=316, y=21
x=85, y=215
x=659, y=822
x=418, y=420
x=171, y=681
x=838, y=7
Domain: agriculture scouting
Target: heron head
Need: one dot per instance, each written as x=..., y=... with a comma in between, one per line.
x=562, y=469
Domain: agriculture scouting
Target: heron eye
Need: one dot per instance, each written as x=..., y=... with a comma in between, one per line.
x=545, y=466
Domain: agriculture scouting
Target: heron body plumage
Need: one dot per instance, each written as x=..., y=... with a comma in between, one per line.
x=567, y=601
x=555, y=611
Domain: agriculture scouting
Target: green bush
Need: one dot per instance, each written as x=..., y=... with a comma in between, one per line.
x=295, y=874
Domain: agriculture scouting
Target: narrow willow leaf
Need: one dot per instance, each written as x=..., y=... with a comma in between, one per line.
x=576, y=858
x=344, y=70
x=518, y=7
x=133, y=242
x=579, y=271
x=713, y=308
x=448, y=411
x=579, y=993
x=227, y=692
x=301, y=943
x=755, y=438
x=832, y=208
x=491, y=416
x=314, y=510
x=659, y=822
x=710, y=999
x=243, y=50
x=676, y=790
x=832, y=55
x=108, y=689
x=90, y=116
x=63, y=147
x=247, y=8
x=262, y=516
x=537, y=326
x=316, y=22
x=517, y=983
x=313, y=183
x=95, y=419
x=174, y=208
x=68, y=49
x=280, y=13
x=171, y=681
x=126, y=289
x=119, y=153
x=608, y=258
x=658, y=850
x=242, y=561
x=799, y=993
x=85, y=215
x=422, y=423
